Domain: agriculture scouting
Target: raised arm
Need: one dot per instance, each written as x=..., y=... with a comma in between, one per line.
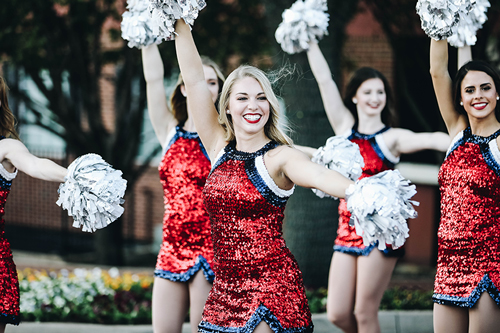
x=441, y=80
x=198, y=95
x=339, y=116
x=161, y=116
x=14, y=153
x=464, y=55
x=407, y=142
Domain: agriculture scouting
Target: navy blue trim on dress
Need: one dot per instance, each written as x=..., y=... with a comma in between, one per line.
x=201, y=263
x=4, y=183
x=180, y=132
x=356, y=251
x=468, y=302
x=230, y=153
x=261, y=314
x=483, y=143
x=373, y=142
x=9, y=319
x=261, y=186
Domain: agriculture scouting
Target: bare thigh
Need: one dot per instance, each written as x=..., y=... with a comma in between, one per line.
x=484, y=317
x=170, y=305
x=450, y=319
x=199, y=288
x=341, y=285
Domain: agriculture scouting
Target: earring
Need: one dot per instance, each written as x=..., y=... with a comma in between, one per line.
x=355, y=100
x=498, y=98
x=461, y=103
x=228, y=112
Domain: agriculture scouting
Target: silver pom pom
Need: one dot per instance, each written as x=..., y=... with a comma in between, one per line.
x=341, y=155
x=468, y=25
x=304, y=22
x=380, y=206
x=92, y=193
x=136, y=25
x=439, y=18
x=166, y=12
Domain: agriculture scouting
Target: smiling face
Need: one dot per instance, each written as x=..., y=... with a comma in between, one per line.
x=370, y=98
x=479, y=94
x=248, y=106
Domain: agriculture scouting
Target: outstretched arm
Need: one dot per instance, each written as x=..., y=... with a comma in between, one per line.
x=339, y=116
x=464, y=55
x=441, y=80
x=408, y=142
x=198, y=95
x=161, y=117
x=14, y=153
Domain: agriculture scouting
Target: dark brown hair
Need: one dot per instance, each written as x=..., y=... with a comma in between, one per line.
x=7, y=119
x=361, y=75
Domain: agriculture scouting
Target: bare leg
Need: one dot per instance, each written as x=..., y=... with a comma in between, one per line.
x=170, y=305
x=450, y=319
x=374, y=274
x=484, y=317
x=263, y=328
x=199, y=288
x=341, y=292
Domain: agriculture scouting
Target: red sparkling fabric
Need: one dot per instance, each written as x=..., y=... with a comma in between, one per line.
x=469, y=231
x=186, y=225
x=252, y=264
x=9, y=286
x=346, y=234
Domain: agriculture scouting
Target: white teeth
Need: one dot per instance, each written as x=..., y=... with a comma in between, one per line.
x=480, y=105
x=252, y=117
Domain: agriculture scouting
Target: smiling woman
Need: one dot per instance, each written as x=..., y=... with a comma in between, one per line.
x=467, y=284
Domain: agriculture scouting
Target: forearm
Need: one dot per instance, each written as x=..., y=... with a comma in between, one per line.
x=439, y=58
x=152, y=64
x=464, y=55
x=319, y=65
x=187, y=55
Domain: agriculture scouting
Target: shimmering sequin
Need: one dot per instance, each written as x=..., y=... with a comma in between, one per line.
x=187, y=242
x=257, y=277
x=469, y=231
x=9, y=286
x=377, y=158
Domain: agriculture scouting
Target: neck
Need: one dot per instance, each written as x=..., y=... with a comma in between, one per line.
x=369, y=124
x=485, y=126
x=251, y=142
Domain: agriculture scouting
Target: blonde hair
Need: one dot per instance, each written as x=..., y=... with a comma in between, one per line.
x=271, y=129
x=7, y=119
x=178, y=101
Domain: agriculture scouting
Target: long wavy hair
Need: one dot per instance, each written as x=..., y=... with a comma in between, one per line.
x=178, y=101
x=361, y=75
x=474, y=65
x=7, y=119
x=271, y=129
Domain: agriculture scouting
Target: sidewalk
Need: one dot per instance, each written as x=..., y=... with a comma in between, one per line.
x=390, y=322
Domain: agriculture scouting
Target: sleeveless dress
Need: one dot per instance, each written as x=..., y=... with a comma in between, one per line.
x=187, y=242
x=377, y=158
x=9, y=287
x=257, y=277
x=469, y=231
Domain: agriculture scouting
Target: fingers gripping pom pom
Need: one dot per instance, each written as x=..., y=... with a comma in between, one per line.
x=439, y=18
x=92, y=193
x=304, y=22
x=468, y=25
x=380, y=206
x=136, y=25
x=341, y=155
x=165, y=13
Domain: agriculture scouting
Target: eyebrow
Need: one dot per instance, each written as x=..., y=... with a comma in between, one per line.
x=244, y=93
x=481, y=85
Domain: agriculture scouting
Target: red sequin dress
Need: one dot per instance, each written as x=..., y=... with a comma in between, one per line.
x=9, y=288
x=257, y=278
x=187, y=242
x=377, y=158
x=469, y=231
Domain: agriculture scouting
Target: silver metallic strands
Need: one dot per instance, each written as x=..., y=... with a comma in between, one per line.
x=304, y=22
x=468, y=25
x=92, y=193
x=341, y=155
x=136, y=25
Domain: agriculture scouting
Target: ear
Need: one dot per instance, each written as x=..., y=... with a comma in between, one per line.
x=183, y=91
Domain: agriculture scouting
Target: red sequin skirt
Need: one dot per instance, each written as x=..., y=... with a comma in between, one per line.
x=9, y=292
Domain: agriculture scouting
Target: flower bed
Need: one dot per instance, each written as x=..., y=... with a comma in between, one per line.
x=91, y=296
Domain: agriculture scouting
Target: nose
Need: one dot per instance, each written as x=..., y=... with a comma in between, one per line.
x=252, y=104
